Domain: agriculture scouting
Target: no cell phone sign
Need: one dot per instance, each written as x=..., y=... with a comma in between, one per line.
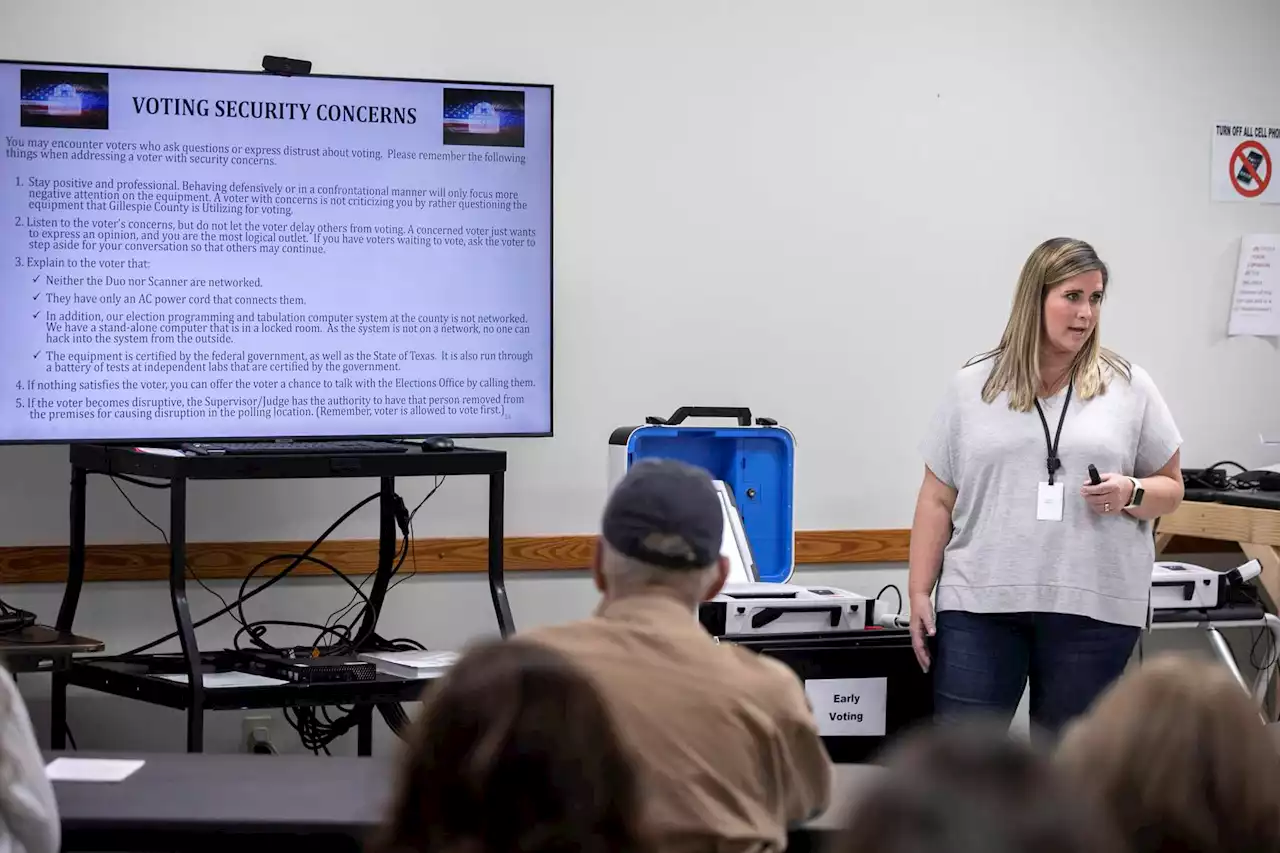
x=1242, y=166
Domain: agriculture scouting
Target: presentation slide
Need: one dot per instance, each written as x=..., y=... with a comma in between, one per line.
x=217, y=254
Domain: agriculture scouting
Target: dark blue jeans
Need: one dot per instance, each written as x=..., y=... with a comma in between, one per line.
x=983, y=661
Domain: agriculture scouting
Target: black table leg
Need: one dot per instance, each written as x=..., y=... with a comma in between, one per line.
x=182, y=612
x=58, y=711
x=364, y=730
x=75, y=557
x=386, y=558
x=70, y=603
x=381, y=580
x=497, y=580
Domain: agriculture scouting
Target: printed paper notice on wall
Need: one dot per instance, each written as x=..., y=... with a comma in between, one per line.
x=848, y=706
x=1255, y=309
x=1242, y=167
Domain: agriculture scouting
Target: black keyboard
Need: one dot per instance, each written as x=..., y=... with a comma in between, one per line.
x=274, y=448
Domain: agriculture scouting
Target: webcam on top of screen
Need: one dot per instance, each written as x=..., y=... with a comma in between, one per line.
x=285, y=66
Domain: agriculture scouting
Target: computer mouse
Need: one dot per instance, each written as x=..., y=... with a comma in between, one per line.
x=437, y=443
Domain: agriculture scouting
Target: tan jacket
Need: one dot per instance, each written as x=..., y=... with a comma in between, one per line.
x=727, y=744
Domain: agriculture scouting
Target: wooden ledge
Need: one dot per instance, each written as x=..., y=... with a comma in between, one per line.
x=1223, y=522
x=149, y=562
x=209, y=560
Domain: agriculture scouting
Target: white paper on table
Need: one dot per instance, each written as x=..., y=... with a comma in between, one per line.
x=91, y=769
x=214, y=680
x=1255, y=304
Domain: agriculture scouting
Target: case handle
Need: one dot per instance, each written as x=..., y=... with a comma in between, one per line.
x=679, y=415
x=766, y=615
x=1188, y=587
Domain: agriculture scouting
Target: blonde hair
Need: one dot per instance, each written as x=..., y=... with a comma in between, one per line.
x=1178, y=754
x=1017, y=358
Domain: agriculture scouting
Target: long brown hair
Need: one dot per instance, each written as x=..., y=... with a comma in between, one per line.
x=514, y=751
x=1017, y=358
x=1177, y=752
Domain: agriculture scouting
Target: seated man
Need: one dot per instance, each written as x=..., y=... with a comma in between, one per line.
x=728, y=750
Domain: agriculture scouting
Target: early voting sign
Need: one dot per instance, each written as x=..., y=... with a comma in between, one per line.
x=847, y=707
x=1243, y=165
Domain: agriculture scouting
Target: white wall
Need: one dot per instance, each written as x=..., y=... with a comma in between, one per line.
x=838, y=193
x=835, y=192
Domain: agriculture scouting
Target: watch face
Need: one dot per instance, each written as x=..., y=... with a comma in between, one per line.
x=1137, y=496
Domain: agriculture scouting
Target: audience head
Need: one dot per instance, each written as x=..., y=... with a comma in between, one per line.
x=514, y=751
x=1177, y=752
x=662, y=532
x=971, y=788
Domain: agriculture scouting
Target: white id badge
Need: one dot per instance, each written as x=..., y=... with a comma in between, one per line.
x=1049, y=502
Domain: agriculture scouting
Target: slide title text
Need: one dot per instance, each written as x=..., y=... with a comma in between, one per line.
x=278, y=110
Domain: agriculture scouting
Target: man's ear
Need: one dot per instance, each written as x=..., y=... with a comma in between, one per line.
x=717, y=582
x=597, y=569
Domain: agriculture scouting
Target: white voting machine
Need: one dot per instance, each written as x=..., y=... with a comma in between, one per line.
x=1184, y=586
x=1187, y=596
x=746, y=607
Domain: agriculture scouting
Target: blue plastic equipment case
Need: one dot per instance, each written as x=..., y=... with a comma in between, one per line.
x=755, y=459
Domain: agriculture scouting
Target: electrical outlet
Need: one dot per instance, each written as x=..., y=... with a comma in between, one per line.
x=255, y=733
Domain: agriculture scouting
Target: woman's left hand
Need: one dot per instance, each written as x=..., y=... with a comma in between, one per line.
x=1109, y=497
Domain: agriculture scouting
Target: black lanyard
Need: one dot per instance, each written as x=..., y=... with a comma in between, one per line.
x=1052, y=462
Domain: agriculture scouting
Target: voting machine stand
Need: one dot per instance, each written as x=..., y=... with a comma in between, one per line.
x=1190, y=597
x=178, y=680
x=862, y=680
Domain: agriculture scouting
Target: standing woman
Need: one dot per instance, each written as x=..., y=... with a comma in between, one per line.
x=1040, y=573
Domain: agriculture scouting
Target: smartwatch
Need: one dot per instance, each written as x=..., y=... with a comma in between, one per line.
x=1138, y=492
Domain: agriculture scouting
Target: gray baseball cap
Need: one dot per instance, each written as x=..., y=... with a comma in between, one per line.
x=665, y=513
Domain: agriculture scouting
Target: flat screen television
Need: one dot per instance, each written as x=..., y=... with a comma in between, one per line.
x=205, y=255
